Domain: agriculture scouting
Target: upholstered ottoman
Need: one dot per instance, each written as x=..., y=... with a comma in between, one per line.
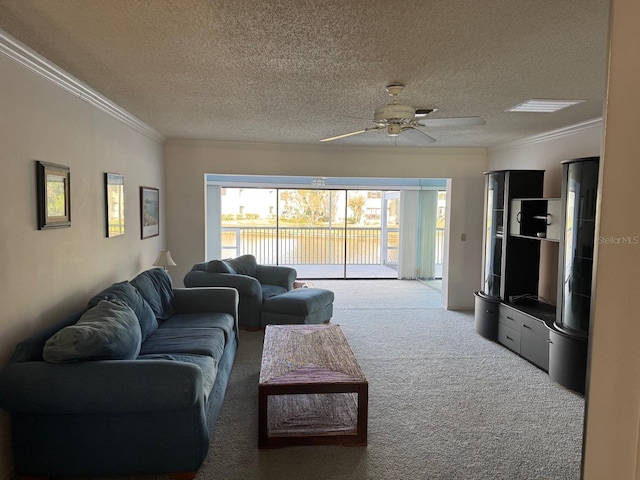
x=300, y=305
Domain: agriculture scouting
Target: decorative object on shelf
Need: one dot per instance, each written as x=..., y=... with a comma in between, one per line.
x=164, y=260
x=114, y=204
x=54, y=195
x=149, y=212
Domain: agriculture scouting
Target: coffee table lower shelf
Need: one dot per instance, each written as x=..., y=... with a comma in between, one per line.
x=288, y=419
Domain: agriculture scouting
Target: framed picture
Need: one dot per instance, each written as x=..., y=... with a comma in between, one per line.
x=149, y=212
x=54, y=195
x=114, y=204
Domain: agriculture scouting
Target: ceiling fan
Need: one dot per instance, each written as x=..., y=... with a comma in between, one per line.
x=405, y=120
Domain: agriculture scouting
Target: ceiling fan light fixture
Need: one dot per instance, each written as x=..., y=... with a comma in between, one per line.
x=543, y=106
x=399, y=119
x=394, y=129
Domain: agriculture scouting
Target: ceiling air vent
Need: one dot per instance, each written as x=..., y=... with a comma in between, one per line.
x=543, y=106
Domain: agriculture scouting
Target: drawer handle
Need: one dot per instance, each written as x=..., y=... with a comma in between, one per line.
x=509, y=338
x=524, y=325
x=510, y=318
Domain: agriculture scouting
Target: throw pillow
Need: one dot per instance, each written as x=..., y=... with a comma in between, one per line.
x=108, y=331
x=127, y=293
x=219, y=266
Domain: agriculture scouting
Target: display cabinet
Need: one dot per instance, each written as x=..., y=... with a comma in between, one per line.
x=505, y=258
x=494, y=233
x=508, y=309
x=580, y=188
x=569, y=339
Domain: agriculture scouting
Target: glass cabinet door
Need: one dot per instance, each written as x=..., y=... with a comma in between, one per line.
x=494, y=232
x=581, y=179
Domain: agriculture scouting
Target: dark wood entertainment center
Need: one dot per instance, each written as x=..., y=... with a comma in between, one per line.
x=551, y=335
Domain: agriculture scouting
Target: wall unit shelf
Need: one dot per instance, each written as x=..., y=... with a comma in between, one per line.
x=536, y=218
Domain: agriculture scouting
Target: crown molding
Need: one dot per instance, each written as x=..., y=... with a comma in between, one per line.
x=551, y=135
x=323, y=147
x=35, y=62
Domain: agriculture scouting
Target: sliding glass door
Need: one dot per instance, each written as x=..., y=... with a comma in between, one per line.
x=311, y=232
x=321, y=233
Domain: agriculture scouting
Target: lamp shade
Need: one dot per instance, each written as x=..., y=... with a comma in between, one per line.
x=164, y=260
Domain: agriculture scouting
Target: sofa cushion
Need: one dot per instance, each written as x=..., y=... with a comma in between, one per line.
x=199, y=341
x=128, y=294
x=269, y=291
x=300, y=301
x=244, y=265
x=108, y=331
x=155, y=287
x=207, y=365
x=220, y=320
x=219, y=266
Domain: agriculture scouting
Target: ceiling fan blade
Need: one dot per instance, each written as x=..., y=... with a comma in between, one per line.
x=345, y=135
x=450, y=121
x=417, y=136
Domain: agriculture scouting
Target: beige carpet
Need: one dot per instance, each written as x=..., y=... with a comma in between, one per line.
x=444, y=402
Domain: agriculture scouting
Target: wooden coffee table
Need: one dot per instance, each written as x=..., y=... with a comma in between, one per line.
x=312, y=390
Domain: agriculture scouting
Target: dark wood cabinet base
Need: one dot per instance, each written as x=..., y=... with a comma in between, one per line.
x=486, y=316
x=568, y=360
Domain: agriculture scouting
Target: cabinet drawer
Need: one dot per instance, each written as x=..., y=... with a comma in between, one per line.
x=509, y=337
x=535, y=326
x=510, y=318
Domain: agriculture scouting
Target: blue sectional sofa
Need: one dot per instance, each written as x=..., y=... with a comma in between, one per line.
x=131, y=385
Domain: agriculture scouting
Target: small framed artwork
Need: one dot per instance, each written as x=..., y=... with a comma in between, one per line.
x=54, y=195
x=114, y=204
x=149, y=212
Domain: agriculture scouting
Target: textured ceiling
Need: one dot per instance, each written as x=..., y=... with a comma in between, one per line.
x=295, y=71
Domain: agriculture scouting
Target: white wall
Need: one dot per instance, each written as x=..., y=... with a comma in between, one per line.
x=186, y=163
x=50, y=273
x=463, y=242
x=613, y=402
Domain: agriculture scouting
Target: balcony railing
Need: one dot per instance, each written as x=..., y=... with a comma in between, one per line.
x=318, y=245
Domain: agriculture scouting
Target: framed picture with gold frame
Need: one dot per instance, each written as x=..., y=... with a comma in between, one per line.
x=54, y=195
x=114, y=204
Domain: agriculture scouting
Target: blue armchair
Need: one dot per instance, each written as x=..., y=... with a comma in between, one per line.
x=255, y=283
